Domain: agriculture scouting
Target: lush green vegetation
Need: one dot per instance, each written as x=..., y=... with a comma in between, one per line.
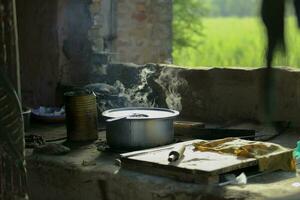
x=235, y=38
x=186, y=22
x=237, y=8
x=236, y=42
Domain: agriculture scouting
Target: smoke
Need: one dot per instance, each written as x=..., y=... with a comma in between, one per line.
x=171, y=83
x=156, y=87
x=168, y=79
x=137, y=95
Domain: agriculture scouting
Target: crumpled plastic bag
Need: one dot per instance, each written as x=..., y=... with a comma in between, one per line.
x=270, y=156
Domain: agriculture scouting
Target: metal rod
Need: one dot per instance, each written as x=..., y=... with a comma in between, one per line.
x=18, y=75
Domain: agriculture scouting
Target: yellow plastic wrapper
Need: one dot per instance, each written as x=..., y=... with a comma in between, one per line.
x=270, y=156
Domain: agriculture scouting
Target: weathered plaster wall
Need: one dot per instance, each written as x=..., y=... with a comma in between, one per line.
x=75, y=48
x=58, y=40
x=38, y=50
x=56, y=46
x=210, y=94
x=64, y=42
x=144, y=32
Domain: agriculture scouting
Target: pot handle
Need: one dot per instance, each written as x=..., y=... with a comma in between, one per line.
x=124, y=117
x=116, y=119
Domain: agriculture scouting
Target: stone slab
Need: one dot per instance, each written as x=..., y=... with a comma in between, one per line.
x=85, y=173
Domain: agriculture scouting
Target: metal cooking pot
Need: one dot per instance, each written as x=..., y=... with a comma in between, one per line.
x=139, y=128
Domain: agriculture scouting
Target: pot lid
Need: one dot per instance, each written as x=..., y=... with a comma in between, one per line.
x=140, y=113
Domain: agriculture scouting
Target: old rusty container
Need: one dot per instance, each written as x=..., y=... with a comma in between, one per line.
x=81, y=116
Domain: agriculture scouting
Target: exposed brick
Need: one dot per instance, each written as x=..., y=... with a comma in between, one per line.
x=140, y=16
x=146, y=29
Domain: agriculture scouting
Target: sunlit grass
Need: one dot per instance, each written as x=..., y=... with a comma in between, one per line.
x=237, y=42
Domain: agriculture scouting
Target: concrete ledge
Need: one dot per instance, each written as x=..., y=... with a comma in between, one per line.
x=67, y=178
x=212, y=94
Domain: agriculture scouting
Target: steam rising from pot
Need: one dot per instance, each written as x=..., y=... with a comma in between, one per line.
x=155, y=87
x=171, y=83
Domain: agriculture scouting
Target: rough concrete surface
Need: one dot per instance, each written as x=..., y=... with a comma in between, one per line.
x=144, y=31
x=211, y=94
x=86, y=173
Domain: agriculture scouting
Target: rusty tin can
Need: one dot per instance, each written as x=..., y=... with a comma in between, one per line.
x=81, y=116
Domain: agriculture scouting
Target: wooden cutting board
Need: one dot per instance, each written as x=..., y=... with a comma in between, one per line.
x=195, y=166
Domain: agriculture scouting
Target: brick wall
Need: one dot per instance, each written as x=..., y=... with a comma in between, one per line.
x=68, y=42
x=144, y=32
x=137, y=31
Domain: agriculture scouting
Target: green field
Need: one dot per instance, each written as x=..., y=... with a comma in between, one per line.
x=237, y=42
